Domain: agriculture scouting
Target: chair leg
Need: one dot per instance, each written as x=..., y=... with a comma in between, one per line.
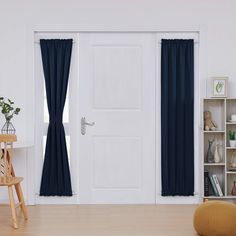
x=13, y=207
x=21, y=200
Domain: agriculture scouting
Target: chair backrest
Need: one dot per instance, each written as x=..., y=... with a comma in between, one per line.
x=6, y=145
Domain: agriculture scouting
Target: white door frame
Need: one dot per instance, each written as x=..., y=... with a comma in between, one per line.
x=41, y=127
x=202, y=75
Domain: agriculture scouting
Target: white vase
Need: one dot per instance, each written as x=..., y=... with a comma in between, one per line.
x=232, y=143
x=216, y=155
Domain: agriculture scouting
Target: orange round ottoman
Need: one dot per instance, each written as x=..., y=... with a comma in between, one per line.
x=215, y=218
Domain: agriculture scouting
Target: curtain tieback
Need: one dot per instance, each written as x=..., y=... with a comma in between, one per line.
x=55, y=119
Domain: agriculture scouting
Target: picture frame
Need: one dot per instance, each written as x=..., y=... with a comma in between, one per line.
x=219, y=86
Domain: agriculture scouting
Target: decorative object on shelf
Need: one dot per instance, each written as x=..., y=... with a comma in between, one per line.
x=8, y=111
x=233, y=118
x=216, y=154
x=233, y=192
x=209, y=124
x=232, y=166
x=220, y=86
x=232, y=141
x=210, y=156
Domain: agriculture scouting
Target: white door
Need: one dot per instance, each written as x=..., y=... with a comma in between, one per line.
x=117, y=92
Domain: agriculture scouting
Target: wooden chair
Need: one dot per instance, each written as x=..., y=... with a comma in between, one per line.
x=8, y=178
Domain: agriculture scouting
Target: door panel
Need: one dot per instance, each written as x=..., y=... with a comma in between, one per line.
x=116, y=163
x=117, y=92
x=117, y=75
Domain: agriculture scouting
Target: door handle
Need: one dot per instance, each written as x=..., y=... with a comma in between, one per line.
x=83, y=125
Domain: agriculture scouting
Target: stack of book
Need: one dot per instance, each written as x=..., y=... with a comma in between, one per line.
x=212, y=180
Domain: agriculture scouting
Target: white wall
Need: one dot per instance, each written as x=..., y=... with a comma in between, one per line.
x=19, y=18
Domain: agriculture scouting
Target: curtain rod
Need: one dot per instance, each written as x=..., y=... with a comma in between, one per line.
x=193, y=42
x=38, y=42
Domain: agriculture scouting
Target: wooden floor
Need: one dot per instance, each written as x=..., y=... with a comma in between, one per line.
x=102, y=220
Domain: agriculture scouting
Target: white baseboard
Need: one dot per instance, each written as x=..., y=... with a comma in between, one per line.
x=39, y=200
x=6, y=201
x=178, y=200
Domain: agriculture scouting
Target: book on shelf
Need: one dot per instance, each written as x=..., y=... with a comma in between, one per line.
x=213, y=185
x=217, y=185
x=206, y=183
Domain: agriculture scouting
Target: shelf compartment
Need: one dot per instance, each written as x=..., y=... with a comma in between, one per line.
x=219, y=171
x=229, y=153
x=233, y=128
x=231, y=177
x=230, y=108
x=219, y=137
x=217, y=109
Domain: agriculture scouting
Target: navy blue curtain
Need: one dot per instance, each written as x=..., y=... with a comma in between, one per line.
x=177, y=117
x=56, y=57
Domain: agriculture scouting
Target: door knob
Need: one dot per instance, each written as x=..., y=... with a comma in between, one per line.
x=83, y=125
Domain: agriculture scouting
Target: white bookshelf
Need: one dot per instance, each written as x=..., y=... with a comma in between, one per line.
x=221, y=110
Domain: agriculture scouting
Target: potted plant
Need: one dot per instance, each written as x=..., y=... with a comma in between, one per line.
x=232, y=141
x=8, y=111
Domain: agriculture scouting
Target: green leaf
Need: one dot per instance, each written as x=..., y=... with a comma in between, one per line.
x=7, y=108
x=11, y=102
x=3, y=111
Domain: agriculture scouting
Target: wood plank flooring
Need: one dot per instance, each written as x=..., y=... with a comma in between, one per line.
x=102, y=220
